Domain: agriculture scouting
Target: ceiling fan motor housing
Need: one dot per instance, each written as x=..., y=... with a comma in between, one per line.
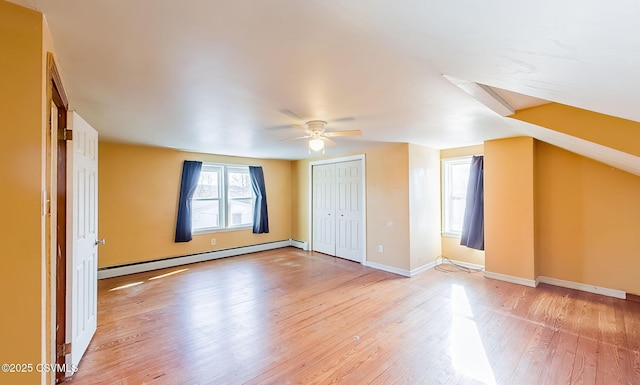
x=316, y=125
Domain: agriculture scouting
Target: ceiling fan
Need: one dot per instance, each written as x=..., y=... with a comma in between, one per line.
x=318, y=135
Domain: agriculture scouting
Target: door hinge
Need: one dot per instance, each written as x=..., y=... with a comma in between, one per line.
x=46, y=203
x=67, y=134
x=64, y=349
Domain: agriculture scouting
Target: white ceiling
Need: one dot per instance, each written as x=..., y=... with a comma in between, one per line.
x=221, y=76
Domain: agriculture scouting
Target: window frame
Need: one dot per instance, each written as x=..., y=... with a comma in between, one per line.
x=448, y=196
x=228, y=199
x=224, y=199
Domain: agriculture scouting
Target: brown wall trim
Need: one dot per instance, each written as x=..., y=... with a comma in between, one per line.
x=52, y=70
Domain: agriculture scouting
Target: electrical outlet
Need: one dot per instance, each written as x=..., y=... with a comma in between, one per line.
x=213, y=241
x=380, y=249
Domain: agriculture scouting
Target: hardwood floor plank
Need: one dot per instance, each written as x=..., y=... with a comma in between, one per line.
x=292, y=317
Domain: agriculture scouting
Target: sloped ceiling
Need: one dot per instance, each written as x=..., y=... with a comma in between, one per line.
x=229, y=77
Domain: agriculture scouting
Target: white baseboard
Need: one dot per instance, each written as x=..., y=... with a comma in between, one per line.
x=583, y=287
x=299, y=244
x=464, y=264
x=396, y=270
x=422, y=268
x=178, y=261
x=389, y=269
x=511, y=279
x=187, y=259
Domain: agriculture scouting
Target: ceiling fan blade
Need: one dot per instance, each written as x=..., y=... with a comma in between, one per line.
x=327, y=141
x=303, y=128
x=344, y=133
x=290, y=113
x=345, y=119
x=280, y=127
x=296, y=138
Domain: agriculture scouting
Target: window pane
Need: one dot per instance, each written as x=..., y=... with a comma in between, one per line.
x=239, y=184
x=459, y=179
x=455, y=178
x=457, y=214
x=205, y=214
x=208, y=185
x=240, y=212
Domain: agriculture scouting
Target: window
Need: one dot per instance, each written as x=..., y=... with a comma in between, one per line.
x=223, y=198
x=455, y=177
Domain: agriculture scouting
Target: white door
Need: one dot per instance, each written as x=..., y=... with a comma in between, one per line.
x=82, y=288
x=349, y=211
x=338, y=209
x=324, y=228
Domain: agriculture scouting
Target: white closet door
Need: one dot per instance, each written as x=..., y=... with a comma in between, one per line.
x=349, y=210
x=338, y=210
x=324, y=227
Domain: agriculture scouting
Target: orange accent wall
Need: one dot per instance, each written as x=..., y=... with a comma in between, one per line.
x=509, y=207
x=138, y=197
x=617, y=133
x=21, y=153
x=587, y=217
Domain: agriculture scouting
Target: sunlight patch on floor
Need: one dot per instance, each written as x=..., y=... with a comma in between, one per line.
x=126, y=286
x=467, y=351
x=167, y=274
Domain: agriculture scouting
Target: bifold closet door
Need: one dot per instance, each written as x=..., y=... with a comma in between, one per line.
x=349, y=210
x=337, y=209
x=324, y=218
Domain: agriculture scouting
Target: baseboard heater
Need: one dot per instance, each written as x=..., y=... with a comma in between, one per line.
x=139, y=267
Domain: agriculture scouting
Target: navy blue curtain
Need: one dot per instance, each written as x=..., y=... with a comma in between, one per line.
x=473, y=223
x=260, y=216
x=190, y=177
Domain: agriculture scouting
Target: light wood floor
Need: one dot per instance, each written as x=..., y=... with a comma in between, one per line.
x=287, y=316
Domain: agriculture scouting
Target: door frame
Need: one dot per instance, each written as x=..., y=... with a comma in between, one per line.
x=361, y=158
x=55, y=159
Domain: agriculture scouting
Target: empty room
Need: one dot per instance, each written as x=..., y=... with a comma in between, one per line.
x=319, y=192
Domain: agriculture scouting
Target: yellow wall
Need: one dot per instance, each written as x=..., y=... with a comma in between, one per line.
x=462, y=151
x=408, y=241
x=138, y=198
x=509, y=207
x=299, y=200
x=617, y=133
x=300, y=195
x=387, y=184
x=49, y=180
x=388, y=205
x=21, y=98
x=451, y=247
x=424, y=205
x=586, y=212
x=586, y=220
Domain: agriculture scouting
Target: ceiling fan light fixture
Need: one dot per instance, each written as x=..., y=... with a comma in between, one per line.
x=316, y=144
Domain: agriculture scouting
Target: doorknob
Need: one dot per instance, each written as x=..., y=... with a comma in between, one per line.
x=100, y=241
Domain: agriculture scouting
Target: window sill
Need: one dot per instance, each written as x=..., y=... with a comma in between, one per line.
x=451, y=235
x=225, y=230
